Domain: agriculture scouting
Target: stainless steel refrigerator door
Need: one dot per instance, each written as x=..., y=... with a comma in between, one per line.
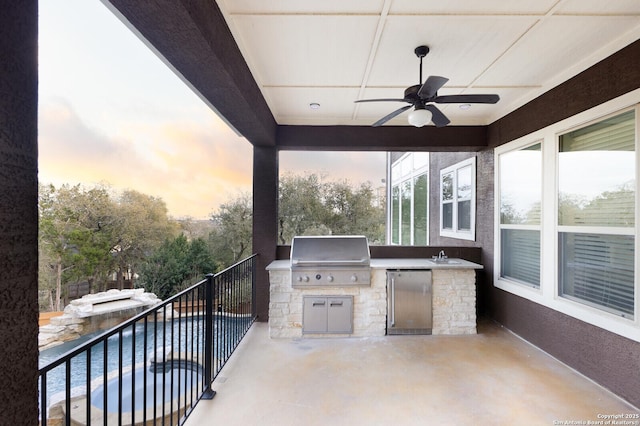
x=410, y=301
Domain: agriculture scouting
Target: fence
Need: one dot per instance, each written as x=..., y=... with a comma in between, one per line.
x=155, y=367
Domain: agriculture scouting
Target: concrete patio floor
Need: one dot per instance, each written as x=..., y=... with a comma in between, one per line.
x=492, y=378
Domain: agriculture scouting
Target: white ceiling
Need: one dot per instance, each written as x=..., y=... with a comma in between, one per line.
x=336, y=51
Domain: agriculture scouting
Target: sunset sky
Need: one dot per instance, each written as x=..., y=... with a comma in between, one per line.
x=111, y=112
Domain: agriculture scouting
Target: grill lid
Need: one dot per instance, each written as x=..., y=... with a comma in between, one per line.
x=333, y=250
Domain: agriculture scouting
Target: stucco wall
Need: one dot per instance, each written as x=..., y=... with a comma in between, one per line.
x=18, y=213
x=484, y=213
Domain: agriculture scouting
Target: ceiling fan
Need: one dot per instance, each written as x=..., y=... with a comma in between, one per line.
x=422, y=97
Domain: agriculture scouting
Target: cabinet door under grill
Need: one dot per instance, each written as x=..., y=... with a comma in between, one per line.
x=339, y=317
x=314, y=315
x=327, y=314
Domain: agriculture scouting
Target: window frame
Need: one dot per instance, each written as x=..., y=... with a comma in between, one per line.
x=502, y=281
x=548, y=293
x=407, y=172
x=454, y=231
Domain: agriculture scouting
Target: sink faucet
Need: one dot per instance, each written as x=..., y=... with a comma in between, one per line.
x=441, y=257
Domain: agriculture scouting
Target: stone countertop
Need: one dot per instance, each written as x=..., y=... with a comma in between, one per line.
x=422, y=263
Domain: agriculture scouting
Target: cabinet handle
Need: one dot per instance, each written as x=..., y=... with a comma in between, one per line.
x=319, y=303
x=336, y=303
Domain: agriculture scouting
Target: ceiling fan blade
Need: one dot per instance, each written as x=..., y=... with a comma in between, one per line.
x=431, y=86
x=390, y=116
x=438, y=118
x=381, y=100
x=467, y=99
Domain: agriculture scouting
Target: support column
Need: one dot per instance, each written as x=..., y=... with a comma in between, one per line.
x=19, y=212
x=265, y=221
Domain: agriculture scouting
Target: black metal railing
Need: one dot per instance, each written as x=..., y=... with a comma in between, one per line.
x=155, y=367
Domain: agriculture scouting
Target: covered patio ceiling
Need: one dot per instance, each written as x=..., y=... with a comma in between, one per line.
x=260, y=64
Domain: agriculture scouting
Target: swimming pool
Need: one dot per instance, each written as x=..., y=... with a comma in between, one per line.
x=137, y=348
x=163, y=385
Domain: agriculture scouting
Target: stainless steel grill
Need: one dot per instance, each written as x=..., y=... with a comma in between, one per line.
x=320, y=261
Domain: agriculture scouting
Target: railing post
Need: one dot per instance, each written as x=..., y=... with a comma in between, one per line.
x=208, y=338
x=254, y=308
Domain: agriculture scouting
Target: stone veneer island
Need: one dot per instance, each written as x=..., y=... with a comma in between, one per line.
x=453, y=287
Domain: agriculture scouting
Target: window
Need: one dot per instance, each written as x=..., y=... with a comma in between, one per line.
x=566, y=214
x=322, y=193
x=596, y=214
x=395, y=215
x=520, y=189
x=458, y=200
x=409, y=199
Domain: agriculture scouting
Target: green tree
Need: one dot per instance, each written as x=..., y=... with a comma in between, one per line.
x=310, y=206
x=93, y=238
x=353, y=211
x=74, y=238
x=176, y=265
x=231, y=238
x=53, y=244
x=141, y=224
x=301, y=208
x=165, y=269
x=201, y=260
x=84, y=234
x=307, y=206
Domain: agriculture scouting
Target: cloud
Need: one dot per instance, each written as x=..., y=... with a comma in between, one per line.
x=192, y=165
x=356, y=167
x=123, y=118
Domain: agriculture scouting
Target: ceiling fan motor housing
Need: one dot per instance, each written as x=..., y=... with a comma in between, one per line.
x=411, y=93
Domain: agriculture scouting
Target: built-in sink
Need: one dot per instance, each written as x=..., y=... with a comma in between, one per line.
x=444, y=261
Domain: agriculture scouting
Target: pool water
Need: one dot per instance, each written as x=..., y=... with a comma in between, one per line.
x=162, y=385
x=185, y=336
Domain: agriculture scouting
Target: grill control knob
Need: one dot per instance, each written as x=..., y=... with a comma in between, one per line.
x=299, y=278
x=330, y=278
x=354, y=278
x=305, y=278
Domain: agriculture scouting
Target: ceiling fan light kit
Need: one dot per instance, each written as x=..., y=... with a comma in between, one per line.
x=419, y=117
x=422, y=97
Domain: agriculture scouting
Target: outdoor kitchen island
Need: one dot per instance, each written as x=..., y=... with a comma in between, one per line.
x=453, y=287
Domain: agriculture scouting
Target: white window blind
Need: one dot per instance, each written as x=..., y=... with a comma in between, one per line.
x=598, y=270
x=596, y=215
x=520, y=256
